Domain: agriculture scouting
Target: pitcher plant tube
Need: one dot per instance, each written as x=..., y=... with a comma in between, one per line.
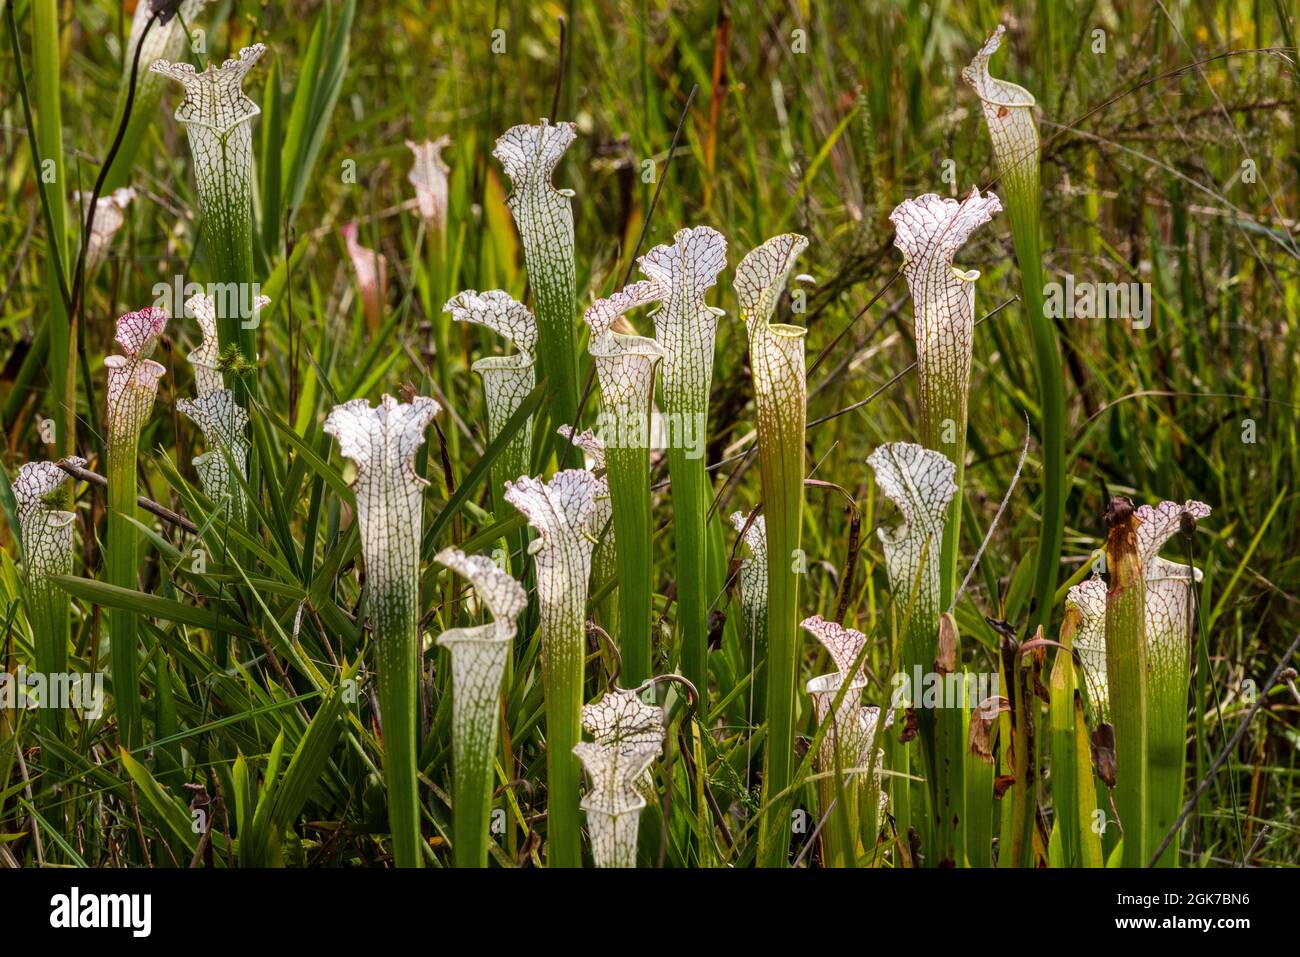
x=1170, y=615
x=776, y=356
x=479, y=656
x=132, y=388
x=625, y=729
x=370, y=269
x=686, y=328
x=560, y=511
x=382, y=442
x=507, y=379
x=1074, y=795
x=429, y=177
x=613, y=803
x=218, y=119
x=223, y=424
x=110, y=216
x=164, y=41
x=625, y=366
x=1009, y=115
x=929, y=231
x=544, y=217
x=600, y=525
x=837, y=703
x=45, y=529
x=919, y=482
x=753, y=607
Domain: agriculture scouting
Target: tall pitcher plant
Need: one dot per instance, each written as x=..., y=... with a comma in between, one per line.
x=507, y=379
x=132, y=388
x=216, y=412
x=1150, y=606
x=686, y=327
x=383, y=442
x=604, y=555
x=628, y=734
x=1074, y=795
x=1009, y=114
x=544, y=217
x=850, y=728
x=930, y=231
x=163, y=41
x=625, y=366
x=753, y=605
x=218, y=120
x=919, y=482
x=776, y=356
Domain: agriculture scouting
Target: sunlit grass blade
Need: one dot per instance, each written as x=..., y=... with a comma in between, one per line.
x=47, y=82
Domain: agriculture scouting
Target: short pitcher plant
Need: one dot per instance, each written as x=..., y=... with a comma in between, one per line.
x=479, y=656
x=560, y=511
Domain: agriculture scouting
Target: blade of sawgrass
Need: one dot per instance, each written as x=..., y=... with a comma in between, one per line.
x=271, y=163
x=142, y=603
x=316, y=93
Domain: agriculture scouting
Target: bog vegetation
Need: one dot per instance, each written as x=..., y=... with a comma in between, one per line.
x=641, y=434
